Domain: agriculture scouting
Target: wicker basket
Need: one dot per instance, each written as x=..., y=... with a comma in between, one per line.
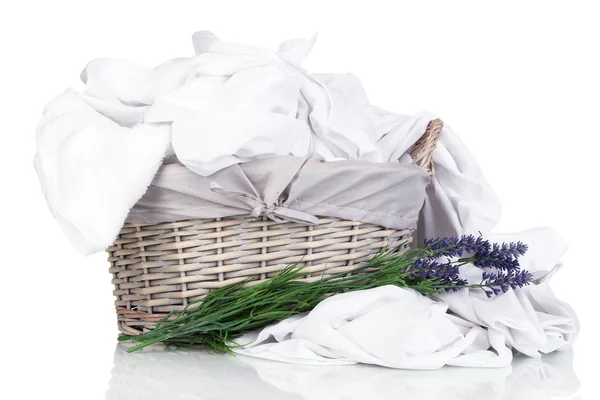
x=157, y=268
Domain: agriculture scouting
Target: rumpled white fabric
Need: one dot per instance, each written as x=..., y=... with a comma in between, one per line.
x=229, y=104
x=98, y=150
x=93, y=170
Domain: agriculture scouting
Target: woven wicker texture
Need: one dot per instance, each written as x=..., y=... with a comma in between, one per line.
x=157, y=268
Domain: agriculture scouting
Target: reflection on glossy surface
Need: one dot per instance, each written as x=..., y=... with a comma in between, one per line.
x=195, y=374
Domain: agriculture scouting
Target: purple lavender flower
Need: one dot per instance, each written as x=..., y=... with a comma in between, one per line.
x=494, y=283
x=484, y=254
x=456, y=246
x=443, y=274
x=516, y=249
x=504, y=257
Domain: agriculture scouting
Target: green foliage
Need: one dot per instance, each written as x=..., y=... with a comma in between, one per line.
x=226, y=313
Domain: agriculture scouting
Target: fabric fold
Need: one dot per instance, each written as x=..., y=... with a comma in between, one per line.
x=92, y=170
x=361, y=327
x=288, y=188
x=271, y=211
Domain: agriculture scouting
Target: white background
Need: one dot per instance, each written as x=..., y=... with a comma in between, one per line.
x=519, y=81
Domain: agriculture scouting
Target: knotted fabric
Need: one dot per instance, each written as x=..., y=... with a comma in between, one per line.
x=273, y=211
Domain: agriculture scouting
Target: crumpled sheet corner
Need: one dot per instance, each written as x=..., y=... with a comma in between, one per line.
x=92, y=171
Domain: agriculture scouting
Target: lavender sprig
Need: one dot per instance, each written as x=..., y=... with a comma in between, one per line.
x=468, y=249
x=456, y=246
x=443, y=274
x=494, y=283
x=483, y=253
x=504, y=257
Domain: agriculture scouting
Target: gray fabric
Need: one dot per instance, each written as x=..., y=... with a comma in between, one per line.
x=289, y=188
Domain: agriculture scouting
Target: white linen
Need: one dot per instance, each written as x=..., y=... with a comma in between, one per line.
x=387, y=326
x=229, y=104
x=92, y=171
x=98, y=151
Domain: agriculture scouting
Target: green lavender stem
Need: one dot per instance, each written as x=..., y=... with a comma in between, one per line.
x=227, y=313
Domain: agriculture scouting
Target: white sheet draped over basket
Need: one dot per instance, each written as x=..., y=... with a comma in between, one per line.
x=99, y=150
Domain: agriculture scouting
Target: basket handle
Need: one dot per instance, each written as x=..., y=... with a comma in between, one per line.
x=422, y=152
